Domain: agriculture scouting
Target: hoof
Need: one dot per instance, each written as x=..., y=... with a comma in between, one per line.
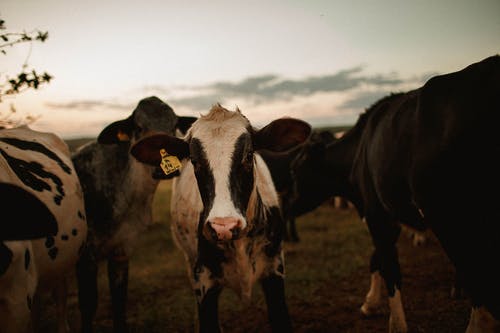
x=369, y=310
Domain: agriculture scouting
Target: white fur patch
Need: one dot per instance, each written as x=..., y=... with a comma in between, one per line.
x=373, y=300
x=218, y=133
x=397, y=319
x=185, y=209
x=265, y=184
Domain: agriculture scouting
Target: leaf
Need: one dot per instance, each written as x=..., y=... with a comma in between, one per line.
x=42, y=36
x=46, y=77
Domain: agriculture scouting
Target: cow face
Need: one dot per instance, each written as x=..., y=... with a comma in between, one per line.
x=221, y=147
x=310, y=170
x=150, y=116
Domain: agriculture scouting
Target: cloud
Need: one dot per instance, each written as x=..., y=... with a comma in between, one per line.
x=269, y=87
x=90, y=105
x=363, y=100
x=258, y=90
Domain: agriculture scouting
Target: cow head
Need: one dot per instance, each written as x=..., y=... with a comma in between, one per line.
x=310, y=171
x=151, y=115
x=221, y=147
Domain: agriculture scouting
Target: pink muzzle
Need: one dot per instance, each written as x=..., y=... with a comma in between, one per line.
x=223, y=228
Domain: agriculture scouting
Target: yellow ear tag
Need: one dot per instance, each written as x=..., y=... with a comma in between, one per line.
x=169, y=163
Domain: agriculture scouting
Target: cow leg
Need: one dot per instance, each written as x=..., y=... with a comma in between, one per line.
x=208, y=311
x=60, y=294
x=86, y=273
x=373, y=299
x=35, y=313
x=385, y=235
x=294, y=236
x=290, y=231
x=14, y=317
x=457, y=291
x=118, y=283
x=274, y=291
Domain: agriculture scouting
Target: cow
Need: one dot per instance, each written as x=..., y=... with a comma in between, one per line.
x=118, y=194
x=279, y=165
x=418, y=158
x=226, y=215
x=43, y=227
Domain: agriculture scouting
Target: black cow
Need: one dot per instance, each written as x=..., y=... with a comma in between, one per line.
x=225, y=210
x=118, y=196
x=279, y=165
x=425, y=158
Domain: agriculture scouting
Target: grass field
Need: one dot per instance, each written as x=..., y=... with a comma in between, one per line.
x=327, y=279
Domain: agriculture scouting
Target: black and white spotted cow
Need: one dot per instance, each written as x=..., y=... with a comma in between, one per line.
x=118, y=195
x=226, y=214
x=43, y=227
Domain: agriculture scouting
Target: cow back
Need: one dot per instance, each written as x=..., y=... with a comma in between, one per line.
x=40, y=164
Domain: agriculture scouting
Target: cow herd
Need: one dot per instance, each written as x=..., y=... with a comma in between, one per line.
x=426, y=158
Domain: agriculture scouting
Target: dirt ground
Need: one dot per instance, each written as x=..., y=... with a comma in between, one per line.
x=327, y=279
x=427, y=280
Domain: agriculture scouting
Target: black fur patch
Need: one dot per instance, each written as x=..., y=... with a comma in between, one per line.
x=5, y=258
x=274, y=231
x=204, y=174
x=209, y=256
x=81, y=248
x=241, y=174
x=53, y=253
x=32, y=175
x=24, y=216
x=35, y=146
x=29, y=302
x=49, y=242
x=27, y=259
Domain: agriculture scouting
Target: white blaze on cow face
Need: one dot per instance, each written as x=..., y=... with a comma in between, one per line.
x=222, y=154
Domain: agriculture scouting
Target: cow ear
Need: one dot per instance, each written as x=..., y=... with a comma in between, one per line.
x=24, y=215
x=147, y=150
x=282, y=134
x=184, y=123
x=119, y=131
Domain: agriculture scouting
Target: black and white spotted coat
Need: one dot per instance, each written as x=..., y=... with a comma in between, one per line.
x=39, y=165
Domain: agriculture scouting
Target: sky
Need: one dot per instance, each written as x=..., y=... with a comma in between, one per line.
x=321, y=61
